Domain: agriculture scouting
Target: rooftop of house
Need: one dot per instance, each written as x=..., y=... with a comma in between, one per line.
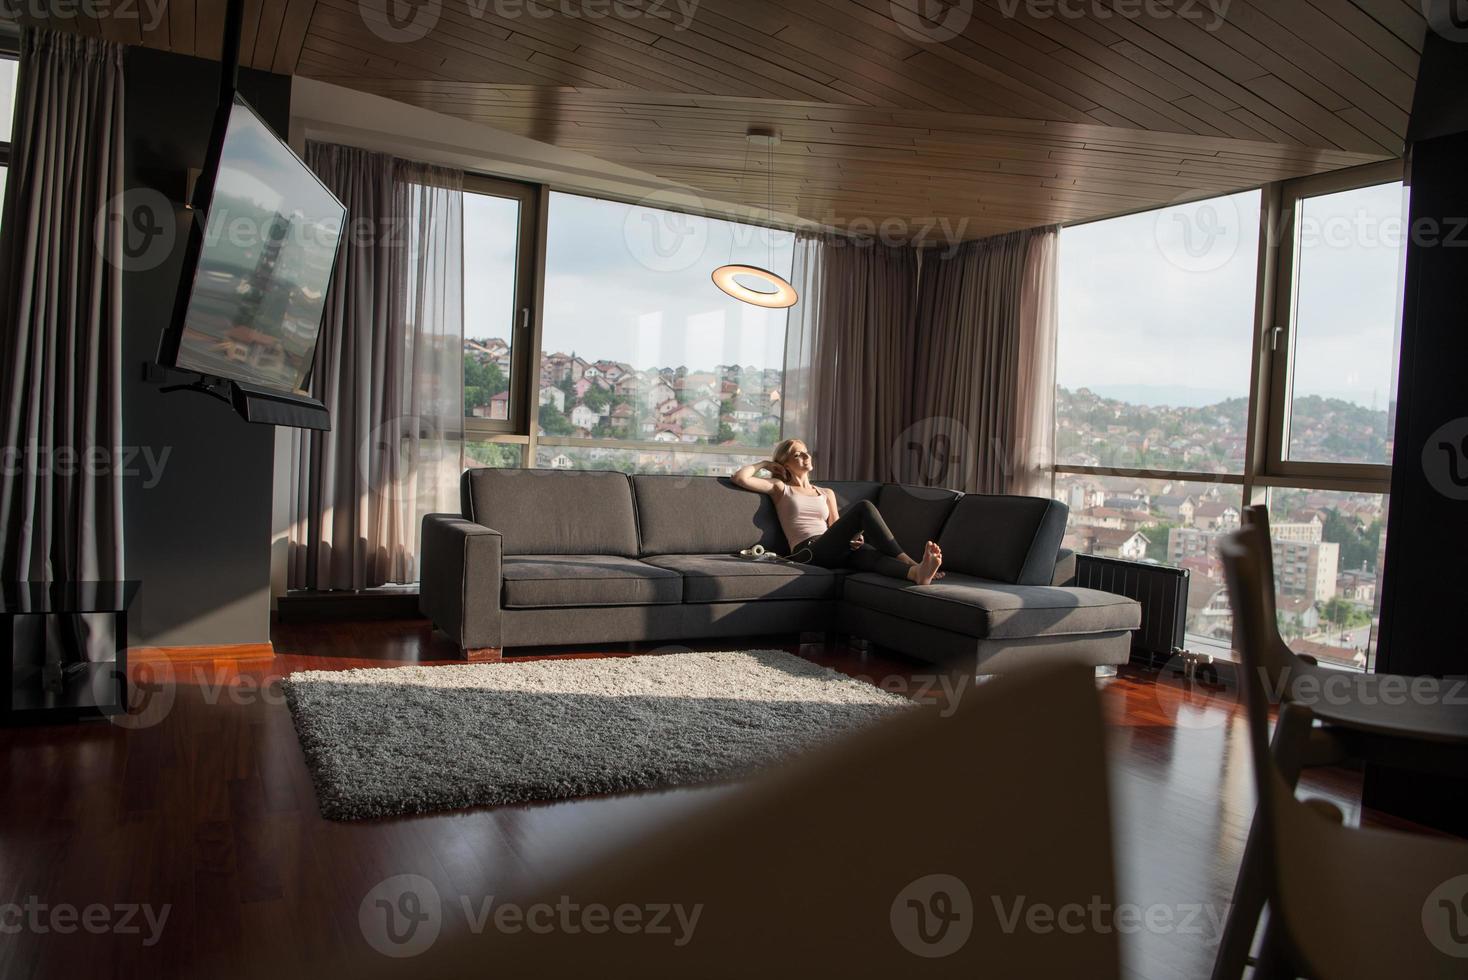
x=1113, y=536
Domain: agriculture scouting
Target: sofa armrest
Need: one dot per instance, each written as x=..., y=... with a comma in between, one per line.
x=459, y=580
x=1065, y=568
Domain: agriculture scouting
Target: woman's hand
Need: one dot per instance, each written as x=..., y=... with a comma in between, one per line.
x=858, y=541
x=776, y=470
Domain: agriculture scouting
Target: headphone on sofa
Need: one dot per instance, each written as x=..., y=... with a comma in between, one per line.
x=800, y=555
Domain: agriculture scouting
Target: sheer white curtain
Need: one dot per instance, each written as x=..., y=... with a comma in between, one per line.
x=1039, y=321
x=389, y=367
x=428, y=315
x=800, y=333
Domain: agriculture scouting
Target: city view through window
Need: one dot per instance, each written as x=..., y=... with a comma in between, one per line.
x=1152, y=402
x=8, y=74
x=641, y=353
x=646, y=367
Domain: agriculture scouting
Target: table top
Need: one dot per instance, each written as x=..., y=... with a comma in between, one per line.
x=66, y=597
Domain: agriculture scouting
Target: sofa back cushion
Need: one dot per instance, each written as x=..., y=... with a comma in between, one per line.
x=915, y=514
x=1004, y=538
x=702, y=515
x=849, y=492
x=553, y=512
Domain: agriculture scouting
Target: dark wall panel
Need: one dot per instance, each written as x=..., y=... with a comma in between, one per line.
x=197, y=508
x=1423, y=584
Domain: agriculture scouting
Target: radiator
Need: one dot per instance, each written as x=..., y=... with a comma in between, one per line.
x=1162, y=591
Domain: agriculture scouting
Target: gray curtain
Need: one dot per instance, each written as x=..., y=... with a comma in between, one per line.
x=389, y=369
x=849, y=353
x=983, y=391
x=909, y=365
x=61, y=257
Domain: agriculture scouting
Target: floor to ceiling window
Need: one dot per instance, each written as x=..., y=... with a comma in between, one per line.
x=8, y=73
x=594, y=337
x=501, y=231
x=645, y=365
x=1196, y=375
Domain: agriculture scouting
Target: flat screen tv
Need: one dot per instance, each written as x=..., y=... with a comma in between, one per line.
x=261, y=249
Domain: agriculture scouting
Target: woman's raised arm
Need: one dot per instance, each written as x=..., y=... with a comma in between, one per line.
x=745, y=476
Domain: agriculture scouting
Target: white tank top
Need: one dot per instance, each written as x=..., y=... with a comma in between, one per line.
x=802, y=516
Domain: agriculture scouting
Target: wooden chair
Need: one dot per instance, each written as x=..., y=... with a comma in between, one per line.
x=1365, y=717
x=828, y=866
x=1359, y=702
x=1344, y=902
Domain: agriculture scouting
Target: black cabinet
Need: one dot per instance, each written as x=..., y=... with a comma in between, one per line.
x=65, y=655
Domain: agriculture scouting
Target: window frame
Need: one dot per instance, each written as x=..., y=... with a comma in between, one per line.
x=1265, y=468
x=536, y=440
x=1277, y=337
x=9, y=51
x=522, y=429
x=1262, y=469
x=524, y=329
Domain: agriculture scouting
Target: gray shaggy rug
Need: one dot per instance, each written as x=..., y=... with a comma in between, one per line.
x=381, y=742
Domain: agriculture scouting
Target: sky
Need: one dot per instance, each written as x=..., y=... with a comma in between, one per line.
x=1155, y=308
x=628, y=283
x=8, y=72
x=1158, y=307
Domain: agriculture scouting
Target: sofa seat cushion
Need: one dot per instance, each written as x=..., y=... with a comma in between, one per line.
x=995, y=610
x=544, y=581
x=729, y=578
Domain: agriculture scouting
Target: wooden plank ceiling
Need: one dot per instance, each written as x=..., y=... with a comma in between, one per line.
x=990, y=114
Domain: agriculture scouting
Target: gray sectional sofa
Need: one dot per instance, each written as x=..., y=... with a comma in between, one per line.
x=551, y=557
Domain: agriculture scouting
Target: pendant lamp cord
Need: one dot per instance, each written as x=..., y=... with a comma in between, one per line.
x=769, y=238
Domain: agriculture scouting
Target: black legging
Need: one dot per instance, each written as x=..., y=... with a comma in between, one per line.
x=879, y=554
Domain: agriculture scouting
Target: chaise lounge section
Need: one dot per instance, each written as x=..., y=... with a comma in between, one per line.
x=551, y=557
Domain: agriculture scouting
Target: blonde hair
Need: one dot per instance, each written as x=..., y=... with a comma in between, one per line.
x=782, y=451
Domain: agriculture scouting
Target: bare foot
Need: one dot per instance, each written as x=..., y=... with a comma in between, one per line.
x=926, y=570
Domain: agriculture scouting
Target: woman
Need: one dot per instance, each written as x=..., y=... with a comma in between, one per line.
x=812, y=524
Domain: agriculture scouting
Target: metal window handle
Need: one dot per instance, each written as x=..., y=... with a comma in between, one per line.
x=524, y=317
x=1274, y=333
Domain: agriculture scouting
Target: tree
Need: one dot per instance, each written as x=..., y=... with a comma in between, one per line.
x=496, y=454
x=596, y=399
x=1343, y=614
x=1157, y=538
x=1357, y=547
x=482, y=381
x=554, y=423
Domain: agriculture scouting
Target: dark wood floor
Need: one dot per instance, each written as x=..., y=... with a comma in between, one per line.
x=204, y=803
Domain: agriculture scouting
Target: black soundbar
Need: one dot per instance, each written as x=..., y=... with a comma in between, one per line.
x=253, y=403
x=271, y=407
